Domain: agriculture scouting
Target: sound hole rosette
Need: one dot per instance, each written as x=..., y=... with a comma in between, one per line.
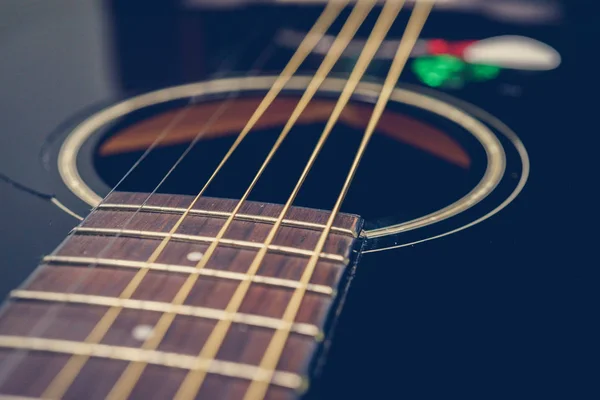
x=486, y=129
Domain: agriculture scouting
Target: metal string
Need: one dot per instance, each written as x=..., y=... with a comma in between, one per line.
x=43, y=324
x=260, y=384
x=397, y=66
x=195, y=378
x=132, y=373
x=66, y=376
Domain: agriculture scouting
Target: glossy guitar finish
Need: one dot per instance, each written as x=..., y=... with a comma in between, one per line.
x=450, y=317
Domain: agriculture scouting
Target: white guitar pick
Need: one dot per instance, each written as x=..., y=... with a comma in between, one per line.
x=513, y=52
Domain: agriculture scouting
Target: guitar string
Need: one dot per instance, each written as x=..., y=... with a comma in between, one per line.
x=43, y=324
x=69, y=372
x=133, y=372
x=260, y=384
x=195, y=378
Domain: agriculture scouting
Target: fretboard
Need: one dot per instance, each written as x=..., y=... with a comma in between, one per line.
x=84, y=325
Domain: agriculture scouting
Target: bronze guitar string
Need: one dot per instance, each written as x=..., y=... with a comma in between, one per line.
x=119, y=393
x=39, y=327
x=348, y=183
x=66, y=376
x=260, y=384
x=195, y=378
x=132, y=373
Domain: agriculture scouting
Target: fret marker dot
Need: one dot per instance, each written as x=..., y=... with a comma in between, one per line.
x=194, y=256
x=142, y=332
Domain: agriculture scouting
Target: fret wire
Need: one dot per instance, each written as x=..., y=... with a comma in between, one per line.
x=206, y=239
x=194, y=380
x=147, y=305
x=267, y=280
x=132, y=354
x=225, y=214
x=258, y=387
x=10, y=397
x=132, y=373
x=66, y=376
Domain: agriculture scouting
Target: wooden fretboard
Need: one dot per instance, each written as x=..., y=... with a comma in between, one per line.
x=49, y=328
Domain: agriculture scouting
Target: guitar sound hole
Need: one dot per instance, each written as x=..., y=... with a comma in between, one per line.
x=413, y=166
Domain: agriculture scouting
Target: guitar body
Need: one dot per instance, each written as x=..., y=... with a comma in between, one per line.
x=438, y=309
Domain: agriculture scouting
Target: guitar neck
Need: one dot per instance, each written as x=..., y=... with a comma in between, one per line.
x=127, y=307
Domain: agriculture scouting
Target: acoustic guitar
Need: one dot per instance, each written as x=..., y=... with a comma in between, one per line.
x=274, y=199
